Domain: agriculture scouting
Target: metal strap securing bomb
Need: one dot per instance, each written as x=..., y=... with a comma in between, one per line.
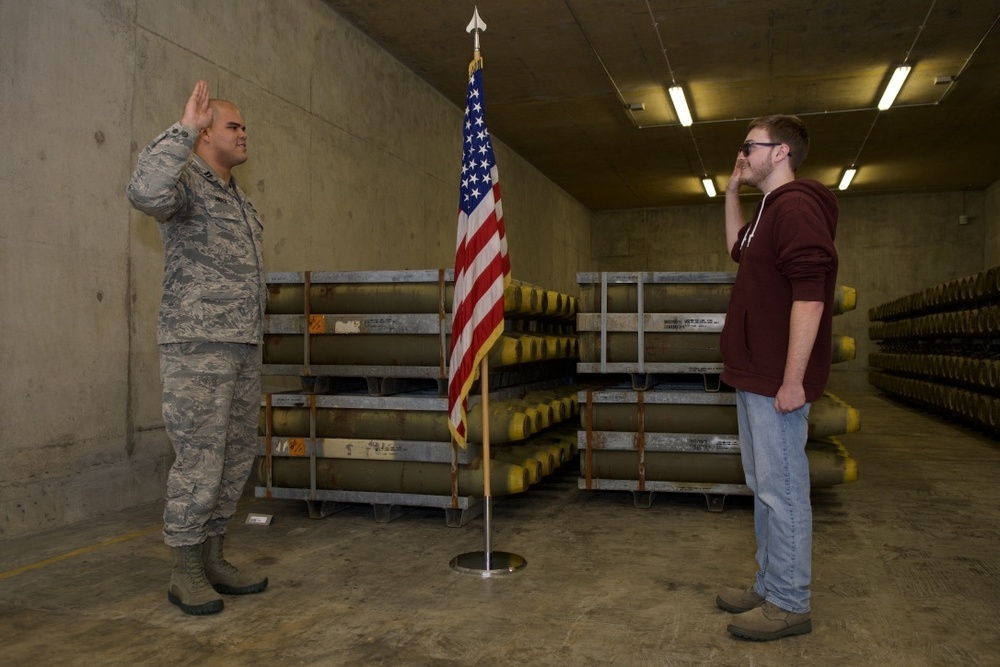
x=454, y=473
x=307, y=306
x=312, y=446
x=442, y=328
x=641, y=439
x=640, y=332
x=268, y=432
x=604, y=322
x=443, y=375
x=590, y=437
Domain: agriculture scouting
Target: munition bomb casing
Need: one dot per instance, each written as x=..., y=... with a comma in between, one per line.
x=568, y=446
x=365, y=298
x=571, y=307
x=681, y=298
x=662, y=418
x=557, y=411
x=828, y=416
x=391, y=476
x=831, y=416
x=677, y=347
x=537, y=419
x=826, y=468
x=532, y=465
x=373, y=298
x=553, y=303
x=512, y=299
x=568, y=449
x=541, y=457
x=659, y=347
x=828, y=445
x=564, y=396
x=557, y=452
x=565, y=437
x=507, y=423
x=664, y=466
x=553, y=350
x=358, y=298
x=533, y=347
x=657, y=298
x=844, y=349
x=551, y=414
x=531, y=299
x=845, y=299
x=374, y=350
x=355, y=349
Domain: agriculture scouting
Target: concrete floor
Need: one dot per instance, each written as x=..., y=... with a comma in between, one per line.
x=906, y=572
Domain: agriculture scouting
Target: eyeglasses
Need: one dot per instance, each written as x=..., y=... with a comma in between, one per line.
x=750, y=145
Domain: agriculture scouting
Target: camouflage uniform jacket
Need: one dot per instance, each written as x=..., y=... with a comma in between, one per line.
x=213, y=268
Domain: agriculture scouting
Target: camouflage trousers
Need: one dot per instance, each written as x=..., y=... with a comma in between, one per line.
x=211, y=403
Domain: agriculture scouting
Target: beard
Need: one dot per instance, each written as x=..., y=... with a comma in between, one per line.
x=754, y=175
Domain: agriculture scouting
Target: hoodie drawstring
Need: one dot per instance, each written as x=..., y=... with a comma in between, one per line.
x=749, y=235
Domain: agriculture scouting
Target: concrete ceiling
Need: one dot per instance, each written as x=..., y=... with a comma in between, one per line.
x=558, y=75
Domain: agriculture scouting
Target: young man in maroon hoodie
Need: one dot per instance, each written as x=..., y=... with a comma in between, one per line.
x=776, y=348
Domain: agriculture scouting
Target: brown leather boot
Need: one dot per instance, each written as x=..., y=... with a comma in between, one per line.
x=224, y=576
x=738, y=600
x=768, y=622
x=189, y=589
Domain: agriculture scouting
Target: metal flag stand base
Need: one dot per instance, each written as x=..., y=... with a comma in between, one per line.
x=487, y=563
x=499, y=562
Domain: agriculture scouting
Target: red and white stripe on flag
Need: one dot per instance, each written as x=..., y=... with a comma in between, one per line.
x=482, y=267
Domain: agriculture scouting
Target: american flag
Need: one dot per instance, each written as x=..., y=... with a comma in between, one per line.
x=482, y=268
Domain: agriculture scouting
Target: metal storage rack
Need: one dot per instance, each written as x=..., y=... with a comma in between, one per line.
x=646, y=323
x=381, y=379
x=393, y=386
x=591, y=441
x=640, y=322
x=459, y=509
x=939, y=349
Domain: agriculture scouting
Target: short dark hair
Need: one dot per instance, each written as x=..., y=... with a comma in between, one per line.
x=788, y=130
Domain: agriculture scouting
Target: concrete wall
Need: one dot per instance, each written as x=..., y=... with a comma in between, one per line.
x=991, y=224
x=889, y=246
x=354, y=166
x=65, y=100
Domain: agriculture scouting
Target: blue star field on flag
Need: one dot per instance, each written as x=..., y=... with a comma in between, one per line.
x=477, y=153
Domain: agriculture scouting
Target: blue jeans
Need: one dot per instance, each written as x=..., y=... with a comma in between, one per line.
x=772, y=446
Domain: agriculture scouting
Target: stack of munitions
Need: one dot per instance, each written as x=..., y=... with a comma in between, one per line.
x=370, y=351
x=940, y=349
x=671, y=425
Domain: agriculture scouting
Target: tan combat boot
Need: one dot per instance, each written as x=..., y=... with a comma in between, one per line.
x=189, y=589
x=224, y=576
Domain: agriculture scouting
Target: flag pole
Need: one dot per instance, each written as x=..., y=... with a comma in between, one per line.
x=484, y=392
x=488, y=562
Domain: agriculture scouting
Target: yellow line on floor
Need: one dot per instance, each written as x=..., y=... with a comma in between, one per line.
x=240, y=505
x=77, y=552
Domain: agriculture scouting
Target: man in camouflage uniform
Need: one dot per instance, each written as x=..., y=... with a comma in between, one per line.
x=209, y=333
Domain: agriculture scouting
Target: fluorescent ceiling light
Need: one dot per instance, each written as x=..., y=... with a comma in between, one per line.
x=895, y=84
x=848, y=177
x=709, y=186
x=680, y=105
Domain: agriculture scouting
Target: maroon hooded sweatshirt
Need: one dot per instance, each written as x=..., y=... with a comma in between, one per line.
x=786, y=253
